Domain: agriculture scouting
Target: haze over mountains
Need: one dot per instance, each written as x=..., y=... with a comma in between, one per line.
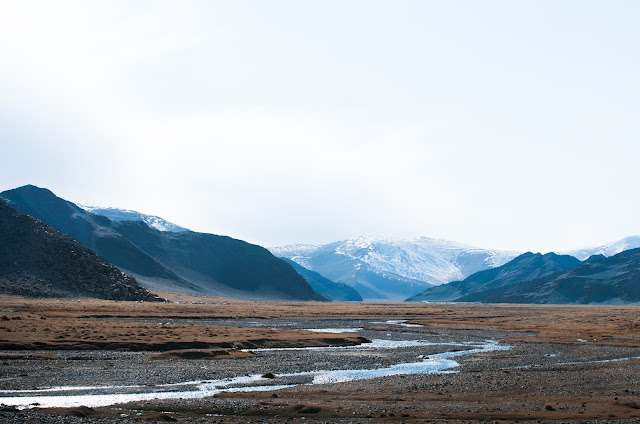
x=608, y=249
x=166, y=256
x=327, y=288
x=383, y=268
x=175, y=261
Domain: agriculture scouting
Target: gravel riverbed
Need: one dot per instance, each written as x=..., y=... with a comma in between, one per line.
x=528, y=382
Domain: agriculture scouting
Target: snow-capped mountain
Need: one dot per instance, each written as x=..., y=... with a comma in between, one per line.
x=383, y=268
x=152, y=221
x=608, y=249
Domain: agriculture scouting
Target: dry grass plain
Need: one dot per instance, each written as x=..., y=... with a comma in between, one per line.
x=603, y=325
x=515, y=385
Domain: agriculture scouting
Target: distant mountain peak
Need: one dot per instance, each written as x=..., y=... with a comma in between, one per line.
x=116, y=214
x=388, y=268
x=609, y=249
x=31, y=189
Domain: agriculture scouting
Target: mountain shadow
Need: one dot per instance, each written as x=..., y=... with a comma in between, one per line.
x=598, y=280
x=173, y=261
x=38, y=261
x=484, y=286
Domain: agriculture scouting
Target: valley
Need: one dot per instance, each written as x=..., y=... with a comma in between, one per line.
x=446, y=362
x=162, y=256
x=360, y=212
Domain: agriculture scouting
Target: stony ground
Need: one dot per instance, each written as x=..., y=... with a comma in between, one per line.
x=548, y=375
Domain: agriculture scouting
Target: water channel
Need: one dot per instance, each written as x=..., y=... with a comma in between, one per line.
x=442, y=361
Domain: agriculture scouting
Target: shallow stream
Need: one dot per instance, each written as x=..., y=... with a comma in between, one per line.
x=103, y=395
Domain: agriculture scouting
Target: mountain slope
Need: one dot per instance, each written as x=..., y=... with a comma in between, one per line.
x=327, y=288
x=380, y=268
x=37, y=260
x=96, y=232
x=488, y=284
x=598, y=280
x=152, y=221
x=174, y=261
x=609, y=249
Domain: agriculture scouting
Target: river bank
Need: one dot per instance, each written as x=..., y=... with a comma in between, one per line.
x=556, y=376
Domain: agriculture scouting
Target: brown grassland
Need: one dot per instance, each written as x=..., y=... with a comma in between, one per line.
x=510, y=386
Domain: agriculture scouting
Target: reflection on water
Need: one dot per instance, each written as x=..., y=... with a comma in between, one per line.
x=334, y=330
x=375, y=344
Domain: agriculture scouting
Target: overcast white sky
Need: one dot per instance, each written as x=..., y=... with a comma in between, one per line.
x=504, y=124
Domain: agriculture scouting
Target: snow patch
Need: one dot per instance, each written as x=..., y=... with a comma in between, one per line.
x=424, y=259
x=152, y=221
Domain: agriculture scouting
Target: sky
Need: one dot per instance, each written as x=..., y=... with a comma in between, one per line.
x=502, y=124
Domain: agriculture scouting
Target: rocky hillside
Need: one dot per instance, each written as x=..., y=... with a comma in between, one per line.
x=550, y=278
x=598, y=280
x=183, y=261
x=36, y=260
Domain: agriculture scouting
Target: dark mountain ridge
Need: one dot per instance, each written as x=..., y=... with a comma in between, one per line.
x=185, y=261
x=482, y=285
x=598, y=280
x=38, y=261
x=551, y=279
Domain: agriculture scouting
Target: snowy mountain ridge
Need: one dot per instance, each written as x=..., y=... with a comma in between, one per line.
x=609, y=249
x=390, y=268
x=152, y=221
